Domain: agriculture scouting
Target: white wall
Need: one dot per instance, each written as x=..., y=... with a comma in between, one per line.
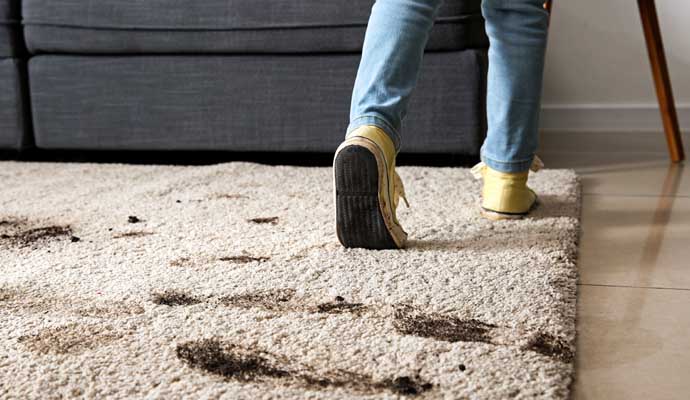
x=597, y=71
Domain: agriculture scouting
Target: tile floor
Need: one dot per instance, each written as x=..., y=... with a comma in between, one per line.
x=634, y=294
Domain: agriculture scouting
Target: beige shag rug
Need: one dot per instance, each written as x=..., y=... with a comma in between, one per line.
x=227, y=281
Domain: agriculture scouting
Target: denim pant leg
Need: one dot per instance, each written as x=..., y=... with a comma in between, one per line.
x=394, y=45
x=517, y=31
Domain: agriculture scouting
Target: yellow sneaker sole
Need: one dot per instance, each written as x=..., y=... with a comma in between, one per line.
x=498, y=216
x=364, y=214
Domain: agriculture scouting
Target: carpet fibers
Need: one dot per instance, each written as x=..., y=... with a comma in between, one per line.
x=227, y=281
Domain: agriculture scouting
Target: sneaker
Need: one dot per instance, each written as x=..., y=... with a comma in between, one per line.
x=367, y=191
x=506, y=195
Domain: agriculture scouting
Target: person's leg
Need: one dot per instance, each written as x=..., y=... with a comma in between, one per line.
x=517, y=31
x=394, y=45
x=367, y=188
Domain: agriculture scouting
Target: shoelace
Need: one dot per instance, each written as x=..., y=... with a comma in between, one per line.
x=478, y=170
x=399, y=191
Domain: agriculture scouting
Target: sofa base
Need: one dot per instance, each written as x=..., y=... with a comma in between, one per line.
x=242, y=103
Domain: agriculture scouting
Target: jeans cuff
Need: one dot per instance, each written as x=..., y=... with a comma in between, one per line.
x=508, y=166
x=378, y=122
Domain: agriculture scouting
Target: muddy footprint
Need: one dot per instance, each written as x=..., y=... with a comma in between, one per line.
x=234, y=362
x=69, y=339
x=408, y=321
x=20, y=232
x=172, y=297
x=548, y=345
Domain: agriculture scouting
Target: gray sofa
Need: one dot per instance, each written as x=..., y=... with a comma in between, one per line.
x=236, y=75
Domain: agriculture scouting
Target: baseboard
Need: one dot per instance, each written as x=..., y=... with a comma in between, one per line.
x=608, y=117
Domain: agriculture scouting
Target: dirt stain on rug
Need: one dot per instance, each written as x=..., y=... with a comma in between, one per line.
x=172, y=297
x=286, y=300
x=243, y=364
x=7, y=294
x=440, y=327
x=20, y=300
x=303, y=253
x=109, y=310
x=181, y=262
x=202, y=262
x=131, y=234
x=12, y=222
x=20, y=232
x=229, y=196
x=69, y=339
x=273, y=300
x=264, y=220
x=244, y=259
x=341, y=306
x=548, y=345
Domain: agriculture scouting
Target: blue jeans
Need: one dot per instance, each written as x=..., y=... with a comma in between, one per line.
x=393, y=49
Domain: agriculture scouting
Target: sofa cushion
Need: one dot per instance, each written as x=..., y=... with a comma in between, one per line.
x=12, y=110
x=9, y=28
x=9, y=10
x=163, y=26
x=242, y=102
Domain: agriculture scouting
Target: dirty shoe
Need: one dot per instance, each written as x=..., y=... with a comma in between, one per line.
x=367, y=191
x=506, y=195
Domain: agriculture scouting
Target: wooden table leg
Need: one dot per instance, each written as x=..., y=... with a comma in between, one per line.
x=662, y=81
